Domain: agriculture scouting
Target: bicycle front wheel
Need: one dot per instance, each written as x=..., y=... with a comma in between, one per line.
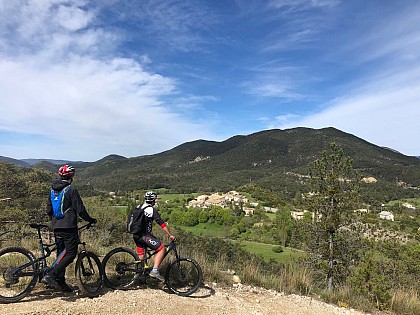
x=18, y=274
x=183, y=276
x=89, y=274
x=120, y=268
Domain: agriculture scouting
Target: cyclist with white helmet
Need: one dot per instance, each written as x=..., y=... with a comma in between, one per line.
x=145, y=237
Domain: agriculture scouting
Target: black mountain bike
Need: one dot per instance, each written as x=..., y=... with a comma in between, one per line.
x=123, y=269
x=20, y=270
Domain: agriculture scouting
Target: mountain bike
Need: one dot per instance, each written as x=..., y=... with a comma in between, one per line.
x=20, y=270
x=123, y=269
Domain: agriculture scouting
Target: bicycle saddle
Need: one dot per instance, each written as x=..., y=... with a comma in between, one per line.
x=38, y=226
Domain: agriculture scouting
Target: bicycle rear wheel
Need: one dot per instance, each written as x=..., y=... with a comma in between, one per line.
x=120, y=267
x=183, y=276
x=18, y=274
x=89, y=274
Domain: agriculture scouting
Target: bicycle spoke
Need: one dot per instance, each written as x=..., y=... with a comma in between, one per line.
x=89, y=274
x=119, y=268
x=183, y=276
x=17, y=274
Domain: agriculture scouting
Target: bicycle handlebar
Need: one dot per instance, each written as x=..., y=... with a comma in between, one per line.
x=40, y=226
x=85, y=227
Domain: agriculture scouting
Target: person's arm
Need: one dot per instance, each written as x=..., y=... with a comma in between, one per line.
x=162, y=224
x=80, y=207
x=49, y=209
x=165, y=228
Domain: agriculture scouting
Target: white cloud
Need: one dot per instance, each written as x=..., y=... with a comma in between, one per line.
x=53, y=85
x=383, y=115
x=380, y=104
x=302, y=4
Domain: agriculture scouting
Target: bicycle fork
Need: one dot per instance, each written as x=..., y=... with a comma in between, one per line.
x=89, y=269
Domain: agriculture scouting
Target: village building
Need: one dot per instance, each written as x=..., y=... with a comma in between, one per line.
x=369, y=180
x=408, y=205
x=298, y=215
x=248, y=211
x=386, y=215
x=361, y=211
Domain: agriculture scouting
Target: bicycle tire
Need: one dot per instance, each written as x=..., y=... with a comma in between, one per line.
x=15, y=285
x=183, y=276
x=89, y=274
x=119, y=268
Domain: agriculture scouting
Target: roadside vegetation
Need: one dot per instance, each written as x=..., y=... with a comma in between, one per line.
x=347, y=258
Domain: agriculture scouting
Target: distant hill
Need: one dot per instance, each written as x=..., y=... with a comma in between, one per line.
x=14, y=161
x=57, y=162
x=273, y=159
x=111, y=157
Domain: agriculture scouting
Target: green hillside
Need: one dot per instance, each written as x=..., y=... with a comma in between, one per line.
x=276, y=160
x=273, y=159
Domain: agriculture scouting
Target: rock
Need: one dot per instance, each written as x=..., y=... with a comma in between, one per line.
x=236, y=279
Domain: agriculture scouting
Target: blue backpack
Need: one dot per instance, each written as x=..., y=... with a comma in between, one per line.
x=57, y=200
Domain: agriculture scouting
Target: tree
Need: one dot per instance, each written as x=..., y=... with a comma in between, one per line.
x=12, y=185
x=283, y=221
x=334, y=185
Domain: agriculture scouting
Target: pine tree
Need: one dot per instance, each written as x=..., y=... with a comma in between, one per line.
x=334, y=187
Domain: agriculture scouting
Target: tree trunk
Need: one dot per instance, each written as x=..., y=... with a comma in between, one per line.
x=330, y=260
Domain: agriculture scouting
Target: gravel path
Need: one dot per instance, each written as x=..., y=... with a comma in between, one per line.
x=210, y=299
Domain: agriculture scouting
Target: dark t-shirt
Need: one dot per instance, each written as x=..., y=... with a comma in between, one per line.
x=151, y=214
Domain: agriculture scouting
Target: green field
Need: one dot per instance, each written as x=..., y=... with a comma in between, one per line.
x=207, y=229
x=271, y=216
x=260, y=249
x=172, y=197
x=267, y=253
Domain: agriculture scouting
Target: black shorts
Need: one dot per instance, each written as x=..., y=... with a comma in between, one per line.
x=148, y=241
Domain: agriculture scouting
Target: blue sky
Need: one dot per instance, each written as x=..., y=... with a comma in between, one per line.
x=80, y=80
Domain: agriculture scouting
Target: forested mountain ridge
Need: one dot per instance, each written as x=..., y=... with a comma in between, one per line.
x=270, y=158
x=266, y=158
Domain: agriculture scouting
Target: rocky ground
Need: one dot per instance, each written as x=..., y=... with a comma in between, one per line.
x=210, y=299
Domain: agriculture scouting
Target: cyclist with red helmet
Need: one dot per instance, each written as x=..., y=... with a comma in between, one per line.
x=145, y=238
x=65, y=226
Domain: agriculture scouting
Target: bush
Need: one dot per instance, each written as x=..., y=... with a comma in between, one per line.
x=278, y=249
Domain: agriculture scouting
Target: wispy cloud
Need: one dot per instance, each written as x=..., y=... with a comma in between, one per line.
x=139, y=77
x=56, y=82
x=381, y=104
x=173, y=25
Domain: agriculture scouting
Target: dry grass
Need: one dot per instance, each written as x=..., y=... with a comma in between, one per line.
x=405, y=302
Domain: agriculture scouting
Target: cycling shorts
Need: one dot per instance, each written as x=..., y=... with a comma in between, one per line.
x=148, y=241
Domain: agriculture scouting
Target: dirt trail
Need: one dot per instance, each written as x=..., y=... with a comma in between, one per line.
x=211, y=299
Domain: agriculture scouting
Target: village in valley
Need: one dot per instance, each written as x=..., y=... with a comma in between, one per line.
x=235, y=198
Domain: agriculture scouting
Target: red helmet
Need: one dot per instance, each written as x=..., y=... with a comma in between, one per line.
x=66, y=171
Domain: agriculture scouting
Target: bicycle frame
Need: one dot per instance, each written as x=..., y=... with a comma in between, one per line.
x=18, y=281
x=148, y=253
x=123, y=268
x=41, y=266
x=141, y=266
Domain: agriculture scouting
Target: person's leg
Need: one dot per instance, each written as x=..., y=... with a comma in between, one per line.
x=60, y=276
x=66, y=253
x=158, y=258
x=153, y=243
x=71, y=243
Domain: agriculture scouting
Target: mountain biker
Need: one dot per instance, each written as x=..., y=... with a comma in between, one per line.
x=65, y=229
x=145, y=238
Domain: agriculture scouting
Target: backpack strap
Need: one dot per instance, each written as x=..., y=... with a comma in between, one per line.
x=141, y=208
x=65, y=190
